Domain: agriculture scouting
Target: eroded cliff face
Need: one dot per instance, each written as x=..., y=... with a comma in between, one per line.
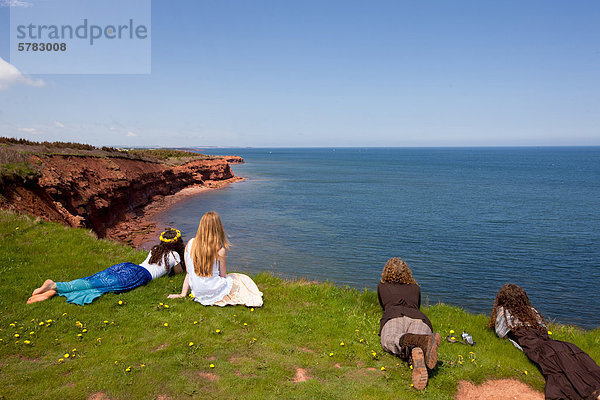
x=98, y=192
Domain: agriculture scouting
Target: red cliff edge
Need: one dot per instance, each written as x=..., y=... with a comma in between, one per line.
x=102, y=192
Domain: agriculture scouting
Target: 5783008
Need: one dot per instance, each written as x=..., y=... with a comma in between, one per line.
x=42, y=46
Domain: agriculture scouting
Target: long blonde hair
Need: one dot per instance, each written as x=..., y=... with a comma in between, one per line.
x=209, y=239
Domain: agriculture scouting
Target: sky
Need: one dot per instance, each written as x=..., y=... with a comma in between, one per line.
x=330, y=74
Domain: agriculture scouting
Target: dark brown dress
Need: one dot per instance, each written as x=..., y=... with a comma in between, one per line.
x=569, y=372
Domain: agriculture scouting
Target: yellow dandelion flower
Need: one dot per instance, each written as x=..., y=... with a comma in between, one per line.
x=190, y=344
x=84, y=331
x=374, y=332
x=80, y=335
x=453, y=338
x=12, y=325
x=549, y=333
x=373, y=353
x=41, y=323
x=356, y=330
x=105, y=321
x=382, y=368
x=67, y=355
x=217, y=330
x=61, y=360
x=26, y=342
x=397, y=364
x=245, y=324
x=112, y=322
x=49, y=321
x=254, y=339
x=330, y=354
x=191, y=295
x=195, y=322
x=127, y=369
x=252, y=309
x=32, y=333
x=211, y=366
x=166, y=324
x=166, y=306
x=525, y=372
x=235, y=315
x=17, y=335
x=342, y=344
x=74, y=350
x=451, y=330
x=411, y=385
x=120, y=302
x=64, y=314
x=361, y=340
x=17, y=228
x=143, y=366
x=411, y=367
x=99, y=339
x=116, y=362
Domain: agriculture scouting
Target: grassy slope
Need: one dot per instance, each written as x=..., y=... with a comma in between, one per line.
x=255, y=355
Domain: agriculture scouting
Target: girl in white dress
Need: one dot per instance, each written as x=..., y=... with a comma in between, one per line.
x=205, y=259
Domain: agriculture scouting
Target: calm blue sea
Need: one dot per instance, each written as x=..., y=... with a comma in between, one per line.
x=466, y=220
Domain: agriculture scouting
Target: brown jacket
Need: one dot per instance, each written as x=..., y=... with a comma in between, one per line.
x=398, y=300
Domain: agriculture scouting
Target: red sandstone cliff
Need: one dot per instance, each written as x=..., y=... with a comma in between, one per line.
x=99, y=192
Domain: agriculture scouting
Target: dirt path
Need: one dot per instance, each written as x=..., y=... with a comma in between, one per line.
x=502, y=389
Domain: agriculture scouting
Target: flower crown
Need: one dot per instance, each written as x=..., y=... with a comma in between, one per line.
x=176, y=238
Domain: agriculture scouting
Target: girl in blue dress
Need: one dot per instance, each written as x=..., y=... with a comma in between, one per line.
x=165, y=257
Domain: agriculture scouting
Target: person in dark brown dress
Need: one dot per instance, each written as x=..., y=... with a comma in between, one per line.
x=569, y=372
x=405, y=331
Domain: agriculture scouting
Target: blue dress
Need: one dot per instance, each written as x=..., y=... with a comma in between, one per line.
x=118, y=278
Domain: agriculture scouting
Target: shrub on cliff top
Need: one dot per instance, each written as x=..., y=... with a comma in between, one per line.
x=165, y=154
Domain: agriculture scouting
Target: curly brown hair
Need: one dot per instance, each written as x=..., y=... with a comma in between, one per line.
x=397, y=271
x=513, y=298
x=161, y=251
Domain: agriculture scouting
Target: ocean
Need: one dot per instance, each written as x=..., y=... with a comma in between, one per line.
x=466, y=220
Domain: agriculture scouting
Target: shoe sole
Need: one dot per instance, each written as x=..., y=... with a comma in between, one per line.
x=432, y=350
x=419, y=373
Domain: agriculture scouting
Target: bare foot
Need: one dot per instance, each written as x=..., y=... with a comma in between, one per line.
x=41, y=297
x=48, y=285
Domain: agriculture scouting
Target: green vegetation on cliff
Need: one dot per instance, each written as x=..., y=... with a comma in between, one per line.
x=149, y=346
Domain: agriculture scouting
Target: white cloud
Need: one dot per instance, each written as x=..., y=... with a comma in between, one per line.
x=14, y=3
x=29, y=130
x=59, y=124
x=10, y=75
x=130, y=134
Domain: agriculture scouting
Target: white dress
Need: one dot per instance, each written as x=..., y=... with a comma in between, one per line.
x=207, y=290
x=215, y=290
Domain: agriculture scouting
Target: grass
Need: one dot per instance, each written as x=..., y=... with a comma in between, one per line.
x=126, y=351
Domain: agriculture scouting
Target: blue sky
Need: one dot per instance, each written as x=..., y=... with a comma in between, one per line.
x=333, y=73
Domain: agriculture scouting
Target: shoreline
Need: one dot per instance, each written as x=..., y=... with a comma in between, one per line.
x=140, y=229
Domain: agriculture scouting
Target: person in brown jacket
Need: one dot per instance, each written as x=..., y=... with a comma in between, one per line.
x=405, y=331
